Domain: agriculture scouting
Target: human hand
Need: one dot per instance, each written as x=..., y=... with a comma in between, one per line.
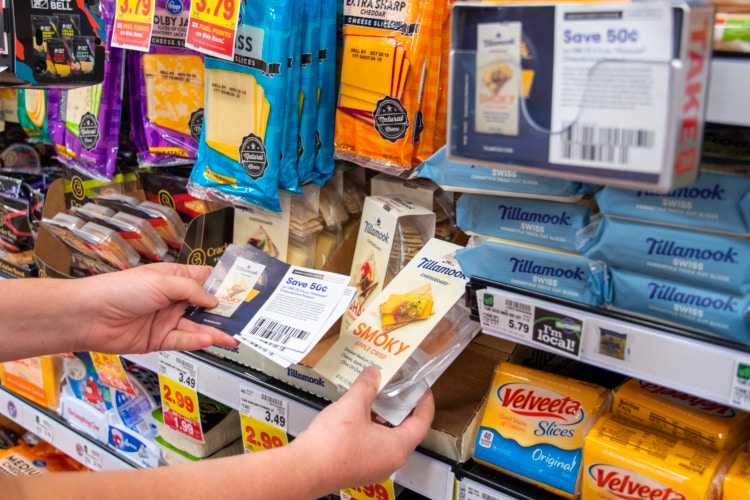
x=353, y=450
x=140, y=310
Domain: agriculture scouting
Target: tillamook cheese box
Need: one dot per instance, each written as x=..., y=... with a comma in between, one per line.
x=688, y=417
x=737, y=480
x=534, y=426
x=622, y=461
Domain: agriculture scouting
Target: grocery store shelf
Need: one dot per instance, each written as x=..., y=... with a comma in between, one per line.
x=700, y=365
x=50, y=427
x=728, y=100
x=221, y=380
x=477, y=482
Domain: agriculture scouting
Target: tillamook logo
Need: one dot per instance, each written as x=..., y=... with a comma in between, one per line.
x=437, y=267
x=530, y=267
x=688, y=401
x=670, y=293
x=629, y=485
x=693, y=193
x=305, y=378
x=671, y=248
x=373, y=230
x=518, y=213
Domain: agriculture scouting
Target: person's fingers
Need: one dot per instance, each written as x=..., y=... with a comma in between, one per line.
x=365, y=387
x=180, y=288
x=214, y=336
x=416, y=425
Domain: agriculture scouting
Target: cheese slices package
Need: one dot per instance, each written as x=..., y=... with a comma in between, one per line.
x=684, y=305
x=308, y=93
x=383, y=71
x=665, y=410
x=737, y=478
x=27, y=455
x=551, y=272
x=706, y=259
x=290, y=146
x=242, y=139
x=36, y=379
x=628, y=461
x=32, y=114
x=545, y=223
x=323, y=165
x=466, y=178
x=534, y=425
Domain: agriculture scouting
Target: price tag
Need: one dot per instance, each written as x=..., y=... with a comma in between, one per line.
x=134, y=21
x=213, y=27
x=264, y=419
x=92, y=457
x=178, y=385
x=380, y=491
x=43, y=428
x=504, y=316
x=473, y=492
x=110, y=371
x=740, y=393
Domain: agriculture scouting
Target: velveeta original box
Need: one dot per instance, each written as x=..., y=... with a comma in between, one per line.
x=607, y=93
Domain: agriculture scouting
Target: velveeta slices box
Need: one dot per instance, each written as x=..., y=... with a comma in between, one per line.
x=534, y=426
x=688, y=417
x=625, y=461
x=737, y=479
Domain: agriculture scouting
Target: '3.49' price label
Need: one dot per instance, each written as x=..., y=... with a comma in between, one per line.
x=179, y=395
x=212, y=27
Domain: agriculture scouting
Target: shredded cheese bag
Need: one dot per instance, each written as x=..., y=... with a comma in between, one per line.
x=384, y=53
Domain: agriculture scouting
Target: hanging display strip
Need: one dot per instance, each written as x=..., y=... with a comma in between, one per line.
x=93, y=455
x=218, y=379
x=696, y=364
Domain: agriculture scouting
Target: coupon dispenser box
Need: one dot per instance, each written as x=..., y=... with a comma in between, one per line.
x=607, y=93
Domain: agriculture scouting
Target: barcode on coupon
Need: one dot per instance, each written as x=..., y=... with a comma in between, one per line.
x=274, y=401
x=274, y=331
x=582, y=142
x=517, y=306
x=185, y=363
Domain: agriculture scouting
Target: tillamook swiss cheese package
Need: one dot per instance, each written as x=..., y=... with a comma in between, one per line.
x=624, y=461
x=687, y=417
x=323, y=165
x=534, y=426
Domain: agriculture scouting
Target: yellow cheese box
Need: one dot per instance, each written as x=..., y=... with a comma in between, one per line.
x=737, y=480
x=688, y=417
x=534, y=426
x=623, y=460
x=36, y=379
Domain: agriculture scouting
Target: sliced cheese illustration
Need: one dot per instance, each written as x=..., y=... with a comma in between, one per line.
x=369, y=62
x=360, y=93
x=174, y=89
x=400, y=309
x=346, y=101
x=78, y=102
x=36, y=106
x=400, y=70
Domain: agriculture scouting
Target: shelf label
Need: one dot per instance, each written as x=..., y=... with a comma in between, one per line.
x=379, y=491
x=472, y=492
x=134, y=21
x=212, y=27
x=265, y=419
x=740, y=391
x=44, y=429
x=178, y=385
x=92, y=457
x=110, y=371
x=515, y=319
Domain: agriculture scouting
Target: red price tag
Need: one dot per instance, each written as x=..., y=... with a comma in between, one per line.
x=258, y=435
x=213, y=27
x=380, y=491
x=134, y=21
x=180, y=408
x=110, y=371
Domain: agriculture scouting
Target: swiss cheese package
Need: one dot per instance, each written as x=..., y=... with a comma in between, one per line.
x=323, y=167
x=36, y=379
x=308, y=106
x=383, y=71
x=240, y=147
x=737, y=479
x=624, y=461
x=687, y=417
x=534, y=425
x=166, y=90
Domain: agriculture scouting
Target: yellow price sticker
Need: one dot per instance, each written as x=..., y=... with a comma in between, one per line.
x=180, y=407
x=380, y=491
x=258, y=435
x=134, y=21
x=213, y=27
x=110, y=371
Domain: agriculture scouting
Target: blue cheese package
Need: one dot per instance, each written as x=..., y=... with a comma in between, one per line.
x=718, y=313
x=545, y=223
x=717, y=201
x=559, y=274
x=710, y=260
x=466, y=178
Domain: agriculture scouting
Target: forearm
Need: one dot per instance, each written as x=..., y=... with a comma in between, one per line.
x=37, y=316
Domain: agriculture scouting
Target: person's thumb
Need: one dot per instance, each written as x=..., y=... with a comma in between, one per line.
x=366, y=385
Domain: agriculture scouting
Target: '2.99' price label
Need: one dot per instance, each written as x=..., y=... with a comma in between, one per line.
x=258, y=435
x=380, y=491
x=134, y=21
x=179, y=394
x=212, y=27
x=264, y=419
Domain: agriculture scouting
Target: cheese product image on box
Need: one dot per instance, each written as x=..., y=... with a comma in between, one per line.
x=534, y=425
x=620, y=458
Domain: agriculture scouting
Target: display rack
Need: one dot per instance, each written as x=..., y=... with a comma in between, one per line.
x=49, y=426
x=727, y=101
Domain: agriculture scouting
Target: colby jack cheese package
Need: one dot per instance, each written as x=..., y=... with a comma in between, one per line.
x=624, y=461
x=166, y=89
x=382, y=75
x=241, y=140
x=534, y=425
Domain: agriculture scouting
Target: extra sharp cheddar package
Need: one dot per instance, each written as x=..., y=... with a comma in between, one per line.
x=383, y=71
x=166, y=88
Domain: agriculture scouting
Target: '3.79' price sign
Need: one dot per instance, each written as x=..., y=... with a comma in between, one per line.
x=212, y=27
x=134, y=21
x=179, y=395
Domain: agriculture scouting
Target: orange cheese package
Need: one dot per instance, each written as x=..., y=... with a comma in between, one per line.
x=628, y=461
x=534, y=425
x=684, y=416
x=27, y=455
x=383, y=73
x=737, y=479
x=36, y=379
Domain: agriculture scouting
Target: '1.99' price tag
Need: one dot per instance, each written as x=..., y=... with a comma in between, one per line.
x=264, y=420
x=179, y=394
x=380, y=491
x=134, y=21
x=213, y=27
